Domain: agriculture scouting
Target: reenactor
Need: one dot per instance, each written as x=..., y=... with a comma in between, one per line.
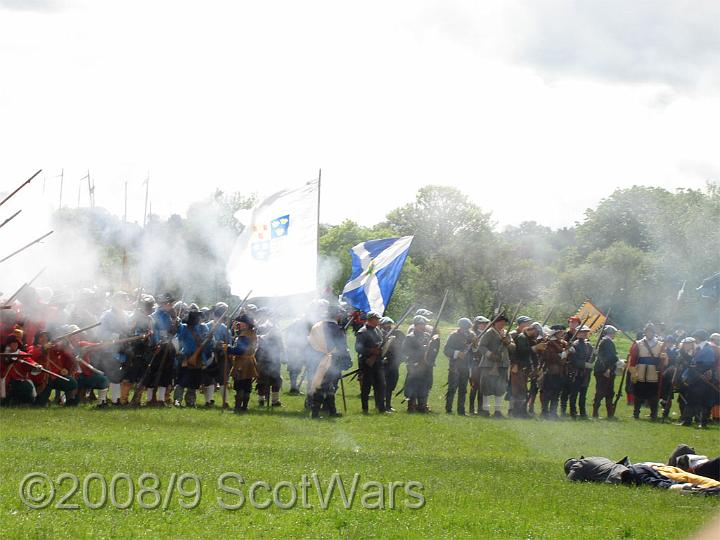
x=368, y=344
x=523, y=360
x=646, y=363
x=579, y=368
x=393, y=342
x=415, y=353
x=244, y=366
x=297, y=351
x=55, y=359
x=522, y=322
x=159, y=375
x=480, y=323
x=494, y=349
x=195, y=352
x=216, y=373
x=328, y=339
x=139, y=353
x=89, y=378
x=270, y=356
x=458, y=349
x=604, y=369
x=16, y=387
x=114, y=325
x=553, y=371
x=701, y=378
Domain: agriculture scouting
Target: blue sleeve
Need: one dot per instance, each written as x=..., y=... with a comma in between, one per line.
x=240, y=347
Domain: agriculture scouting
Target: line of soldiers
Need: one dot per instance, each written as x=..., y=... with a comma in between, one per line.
x=557, y=363
x=168, y=352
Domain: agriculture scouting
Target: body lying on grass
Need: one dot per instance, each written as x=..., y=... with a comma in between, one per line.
x=685, y=470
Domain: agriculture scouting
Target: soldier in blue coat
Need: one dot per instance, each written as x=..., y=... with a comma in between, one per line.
x=191, y=335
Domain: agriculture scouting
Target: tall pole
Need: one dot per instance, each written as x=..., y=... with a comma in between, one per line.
x=91, y=190
x=62, y=179
x=25, y=183
x=317, y=243
x=147, y=193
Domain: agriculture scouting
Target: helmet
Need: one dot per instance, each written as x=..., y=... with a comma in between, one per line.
x=481, y=320
x=419, y=319
x=523, y=319
x=610, y=329
x=464, y=323
x=220, y=309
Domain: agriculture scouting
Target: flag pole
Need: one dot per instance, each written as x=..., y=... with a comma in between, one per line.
x=317, y=243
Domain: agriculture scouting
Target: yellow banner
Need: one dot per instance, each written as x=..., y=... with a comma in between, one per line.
x=595, y=318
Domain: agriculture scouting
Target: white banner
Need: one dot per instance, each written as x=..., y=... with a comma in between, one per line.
x=276, y=254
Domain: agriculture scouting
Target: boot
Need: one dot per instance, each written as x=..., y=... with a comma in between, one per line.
x=238, y=402
x=245, y=401
x=596, y=408
x=330, y=404
x=636, y=409
x=449, y=402
x=412, y=406
x=190, y=397
x=653, y=410
x=609, y=409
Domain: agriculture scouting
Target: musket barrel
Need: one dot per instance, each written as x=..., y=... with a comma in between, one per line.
x=26, y=246
x=25, y=183
x=78, y=331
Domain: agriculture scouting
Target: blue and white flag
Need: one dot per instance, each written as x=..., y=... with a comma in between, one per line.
x=276, y=253
x=376, y=266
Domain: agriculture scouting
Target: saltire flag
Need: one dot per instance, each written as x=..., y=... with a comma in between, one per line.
x=376, y=267
x=276, y=253
x=595, y=317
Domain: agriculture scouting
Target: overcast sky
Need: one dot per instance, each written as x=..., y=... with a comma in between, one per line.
x=536, y=109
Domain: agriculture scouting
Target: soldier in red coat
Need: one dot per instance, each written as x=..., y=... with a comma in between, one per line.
x=45, y=353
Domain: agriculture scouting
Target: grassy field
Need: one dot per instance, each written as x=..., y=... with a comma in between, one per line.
x=482, y=478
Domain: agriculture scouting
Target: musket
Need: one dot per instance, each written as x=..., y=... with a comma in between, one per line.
x=619, y=392
x=488, y=327
x=8, y=220
x=386, y=342
x=547, y=317
x=594, y=351
x=113, y=342
x=75, y=332
x=89, y=365
x=624, y=333
x=436, y=325
x=25, y=183
x=512, y=321
x=22, y=287
x=20, y=357
x=342, y=390
x=349, y=373
x=26, y=246
x=194, y=359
